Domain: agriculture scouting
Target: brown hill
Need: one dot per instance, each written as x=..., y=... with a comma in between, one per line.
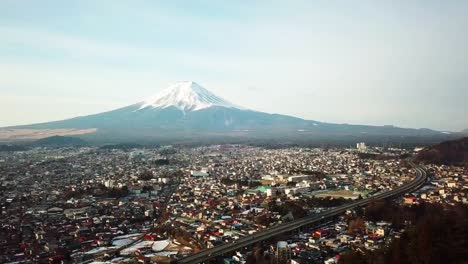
x=454, y=152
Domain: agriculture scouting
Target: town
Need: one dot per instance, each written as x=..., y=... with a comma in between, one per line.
x=132, y=204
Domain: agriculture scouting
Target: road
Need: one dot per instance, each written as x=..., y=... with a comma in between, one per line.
x=208, y=254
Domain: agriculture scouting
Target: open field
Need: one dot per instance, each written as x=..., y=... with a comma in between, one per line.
x=8, y=135
x=339, y=193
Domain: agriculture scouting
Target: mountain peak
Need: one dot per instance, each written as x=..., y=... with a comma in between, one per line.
x=187, y=96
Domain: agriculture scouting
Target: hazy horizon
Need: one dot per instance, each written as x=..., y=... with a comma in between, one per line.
x=378, y=63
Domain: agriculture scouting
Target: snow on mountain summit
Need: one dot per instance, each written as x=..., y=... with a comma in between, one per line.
x=187, y=96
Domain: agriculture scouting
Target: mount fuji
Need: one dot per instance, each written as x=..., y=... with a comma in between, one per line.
x=186, y=110
x=186, y=96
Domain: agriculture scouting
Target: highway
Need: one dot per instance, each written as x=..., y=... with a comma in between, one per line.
x=208, y=254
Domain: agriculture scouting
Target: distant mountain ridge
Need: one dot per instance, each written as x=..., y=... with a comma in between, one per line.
x=186, y=110
x=59, y=141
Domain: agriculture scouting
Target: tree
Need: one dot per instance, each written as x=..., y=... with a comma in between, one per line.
x=146, y=175
x=438, y=235
x=356, y=226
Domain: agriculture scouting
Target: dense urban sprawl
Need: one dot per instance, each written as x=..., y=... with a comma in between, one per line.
x=156, y=205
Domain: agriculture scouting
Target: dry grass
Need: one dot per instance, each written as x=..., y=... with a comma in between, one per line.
x=339, y=193
x=7, y=135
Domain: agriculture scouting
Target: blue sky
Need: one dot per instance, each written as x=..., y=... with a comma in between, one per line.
x=365, y=62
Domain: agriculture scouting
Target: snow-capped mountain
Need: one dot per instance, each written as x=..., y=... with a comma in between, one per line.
x=187, y=111
x=186, y=96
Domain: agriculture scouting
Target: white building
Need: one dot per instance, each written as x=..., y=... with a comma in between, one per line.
x=361, y=146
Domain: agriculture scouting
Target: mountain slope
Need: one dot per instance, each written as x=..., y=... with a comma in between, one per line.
x=187, y=109
x=448, y=152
